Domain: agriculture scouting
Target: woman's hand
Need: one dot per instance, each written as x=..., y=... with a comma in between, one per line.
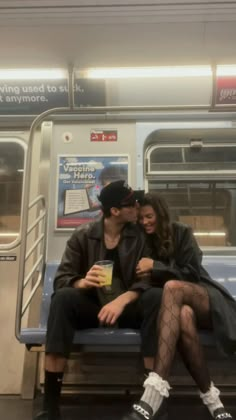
x=94, y=278
x=144, y=266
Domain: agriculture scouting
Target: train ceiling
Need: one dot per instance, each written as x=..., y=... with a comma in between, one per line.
x=116, y=32
x=116, y=11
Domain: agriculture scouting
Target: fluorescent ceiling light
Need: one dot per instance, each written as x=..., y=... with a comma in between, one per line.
x=3, y=235
x=126, y=72
x=32, y=74
x=226, y=70
x=209, y=233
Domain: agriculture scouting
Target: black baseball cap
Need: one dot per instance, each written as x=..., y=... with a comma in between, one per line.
x=117, y=194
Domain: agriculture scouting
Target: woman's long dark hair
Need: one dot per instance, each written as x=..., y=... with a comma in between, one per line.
x=164, y=245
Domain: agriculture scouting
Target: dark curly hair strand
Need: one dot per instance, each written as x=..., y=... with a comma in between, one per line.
x=164, y=246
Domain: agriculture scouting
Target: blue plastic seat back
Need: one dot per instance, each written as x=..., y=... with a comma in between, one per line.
x=49, y=275
x=223, y=270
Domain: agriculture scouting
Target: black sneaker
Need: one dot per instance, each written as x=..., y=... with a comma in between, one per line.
x=43, y=415
x=222, y=414
x=143, y=411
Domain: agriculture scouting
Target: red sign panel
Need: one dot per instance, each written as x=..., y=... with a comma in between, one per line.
x=225, y=90
x=103, y=135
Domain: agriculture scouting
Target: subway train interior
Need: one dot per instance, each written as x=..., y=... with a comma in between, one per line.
x=90, y=92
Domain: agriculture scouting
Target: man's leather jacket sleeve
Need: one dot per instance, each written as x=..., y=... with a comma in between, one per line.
x=72, y=265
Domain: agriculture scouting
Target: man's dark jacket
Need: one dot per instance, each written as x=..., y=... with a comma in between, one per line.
x=86, y=246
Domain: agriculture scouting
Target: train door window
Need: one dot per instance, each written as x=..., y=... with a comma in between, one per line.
x=199, y=184
x=12, y=158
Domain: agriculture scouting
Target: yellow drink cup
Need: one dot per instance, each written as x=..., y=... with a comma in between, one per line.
x=107, y=266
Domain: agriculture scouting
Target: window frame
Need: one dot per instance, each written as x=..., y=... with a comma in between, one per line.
x=214, y=174
x=12, y=138
x=190, y=176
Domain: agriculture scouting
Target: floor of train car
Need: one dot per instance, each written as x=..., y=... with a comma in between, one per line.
x=106, y=407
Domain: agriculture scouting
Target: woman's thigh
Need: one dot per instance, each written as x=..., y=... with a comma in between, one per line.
x=194, y=295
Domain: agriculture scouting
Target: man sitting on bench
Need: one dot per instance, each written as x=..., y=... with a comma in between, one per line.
x=82, y=301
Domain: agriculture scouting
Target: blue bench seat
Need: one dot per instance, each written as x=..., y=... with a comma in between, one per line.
x=222, y=269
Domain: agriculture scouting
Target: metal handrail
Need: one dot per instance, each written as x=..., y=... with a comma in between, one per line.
x=36, y=200
x=37, y=242
x=35, y=287
x=32, y=271
x=20, y=308
x=36, y=222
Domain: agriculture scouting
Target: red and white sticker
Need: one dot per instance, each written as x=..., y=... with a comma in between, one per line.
x=103, y=135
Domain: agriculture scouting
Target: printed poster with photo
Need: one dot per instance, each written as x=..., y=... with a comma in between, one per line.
x=80, y=180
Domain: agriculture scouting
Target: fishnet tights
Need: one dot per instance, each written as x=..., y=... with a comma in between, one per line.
x=184, y=306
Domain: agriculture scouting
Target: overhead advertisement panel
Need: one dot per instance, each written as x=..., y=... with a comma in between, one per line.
x=225, y=93
x=32, y=97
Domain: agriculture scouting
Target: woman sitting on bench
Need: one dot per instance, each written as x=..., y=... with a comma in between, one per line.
x=190, y=299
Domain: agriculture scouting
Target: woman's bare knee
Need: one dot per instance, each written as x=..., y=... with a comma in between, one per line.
x=173, y=292
x=172, y=285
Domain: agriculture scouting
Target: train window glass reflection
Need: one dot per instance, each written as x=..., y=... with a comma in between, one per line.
x=208, y=207
x=206, y=202
x=12, y=157
x=187, y=158
x=211, y=158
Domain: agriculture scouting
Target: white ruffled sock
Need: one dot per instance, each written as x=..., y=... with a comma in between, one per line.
x=155, y=390
x=211, y=399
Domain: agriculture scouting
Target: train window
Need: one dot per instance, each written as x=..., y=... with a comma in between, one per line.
x=187, y=158
x=206, y=202
x=12, y=156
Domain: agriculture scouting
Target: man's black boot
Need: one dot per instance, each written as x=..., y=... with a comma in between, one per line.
x=51, y=401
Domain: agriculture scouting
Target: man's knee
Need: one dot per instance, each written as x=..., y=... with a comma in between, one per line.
x=64, y=297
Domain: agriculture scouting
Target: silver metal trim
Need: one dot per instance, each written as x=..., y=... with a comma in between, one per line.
x=32, y=271
x=37, y=242
x=32, y=226
x=35, y=287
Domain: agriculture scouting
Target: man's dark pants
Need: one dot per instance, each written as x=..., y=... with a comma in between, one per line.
x=74, y=309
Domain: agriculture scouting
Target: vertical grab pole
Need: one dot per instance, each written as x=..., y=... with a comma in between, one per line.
x=71, y=85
